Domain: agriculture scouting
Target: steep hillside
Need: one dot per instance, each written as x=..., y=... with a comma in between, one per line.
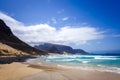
x=9, y=43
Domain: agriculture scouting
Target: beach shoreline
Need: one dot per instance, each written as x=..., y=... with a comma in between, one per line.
x=64, y=73
x=27, y=71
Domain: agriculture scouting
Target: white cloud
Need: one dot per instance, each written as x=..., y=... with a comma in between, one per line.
x=46, y=33
x=10, y=21
x=65, y=18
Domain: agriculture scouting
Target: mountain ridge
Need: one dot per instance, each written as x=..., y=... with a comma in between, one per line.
x=8, y=39
x=57, y=48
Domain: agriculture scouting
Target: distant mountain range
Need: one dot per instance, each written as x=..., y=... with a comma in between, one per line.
x=60, y=49
x=10, y=44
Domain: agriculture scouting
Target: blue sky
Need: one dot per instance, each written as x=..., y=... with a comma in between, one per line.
x=103, y=15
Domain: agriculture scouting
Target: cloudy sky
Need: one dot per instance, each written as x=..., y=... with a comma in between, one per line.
x=92, y=25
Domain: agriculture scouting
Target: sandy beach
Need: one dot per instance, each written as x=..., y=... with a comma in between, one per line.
x=60, y=73
x=16, y=71
x=21, y=71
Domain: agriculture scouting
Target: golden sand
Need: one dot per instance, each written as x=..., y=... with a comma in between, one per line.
x=71, y=74
x=16, y=71
x=19, y=71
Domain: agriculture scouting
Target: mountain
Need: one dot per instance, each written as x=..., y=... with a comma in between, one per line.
x=55, y=48
x=79, y=51
x=10, y=44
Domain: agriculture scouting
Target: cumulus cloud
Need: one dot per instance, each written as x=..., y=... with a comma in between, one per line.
x=65, y=18
x=11, y=21
x=35, y=34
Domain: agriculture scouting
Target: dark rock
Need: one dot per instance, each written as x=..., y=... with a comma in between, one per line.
x=8, y=38
x=79, y=51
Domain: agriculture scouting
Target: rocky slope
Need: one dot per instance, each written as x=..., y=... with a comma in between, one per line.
x=55, y=48
x=10, y=44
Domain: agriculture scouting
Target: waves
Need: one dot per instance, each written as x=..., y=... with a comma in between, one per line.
x=98, y=62
x=90, y=59
x=107, y=57
x=83, y=57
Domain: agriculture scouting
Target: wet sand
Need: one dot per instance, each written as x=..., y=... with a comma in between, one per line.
x=60, y=73
x=20, y=71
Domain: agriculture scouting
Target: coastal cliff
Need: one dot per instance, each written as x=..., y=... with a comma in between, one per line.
x=11, y=45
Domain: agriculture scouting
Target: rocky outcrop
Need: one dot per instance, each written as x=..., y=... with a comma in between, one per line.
x=79, y=51
x=61, y=49
x=14, y=45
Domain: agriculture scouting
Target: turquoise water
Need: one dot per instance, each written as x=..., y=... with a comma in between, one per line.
x=95, y=60
x=109, y=63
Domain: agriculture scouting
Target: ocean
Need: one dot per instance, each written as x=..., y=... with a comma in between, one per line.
x=107, y=63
